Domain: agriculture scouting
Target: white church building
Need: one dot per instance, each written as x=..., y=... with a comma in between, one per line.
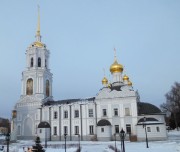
x=116, y=106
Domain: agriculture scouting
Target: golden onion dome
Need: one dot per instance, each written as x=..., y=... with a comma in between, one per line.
x=129, y=83
x=116, y=67
x=125, y=78
x=104, y=80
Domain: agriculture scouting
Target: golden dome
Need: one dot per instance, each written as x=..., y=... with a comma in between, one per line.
x=129, y=83
x=37, y=44
x=125, y=78
x=104, y=80
x=116, y=67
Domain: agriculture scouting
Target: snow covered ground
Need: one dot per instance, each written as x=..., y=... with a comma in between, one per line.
x=171, y=145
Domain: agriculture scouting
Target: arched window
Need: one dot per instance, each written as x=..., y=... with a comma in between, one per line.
x=29, y=87
x=47, y=88
x=39, y=62
x=31, y=62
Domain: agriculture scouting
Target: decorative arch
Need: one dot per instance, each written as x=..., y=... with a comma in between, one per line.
x=32, y=62
x=103, y=122
x=44, y=124
x=47, y=88
x=39, y=62
x=28, y=127
x=29, y=87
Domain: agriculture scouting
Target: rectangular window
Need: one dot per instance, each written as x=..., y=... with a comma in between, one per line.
x=90, y=112
x=117, y=129
x=102, y=129
x=76, y=130
x=127, y=112
x=157, y=129
x=91, y=130
x=19, y=130
x=55, y=130
x=36, y=127
x=104, y=112
x=128, y=128
x=115, y=112
x=40, y=131
x=148, y=129
x=55, y=114
x=76, y=114
x=65, y=114
x=65, y=130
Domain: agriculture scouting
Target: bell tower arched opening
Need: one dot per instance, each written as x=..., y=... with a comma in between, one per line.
x=32, y=62
x=29, y=87
x=39, y=62
x=47, y=88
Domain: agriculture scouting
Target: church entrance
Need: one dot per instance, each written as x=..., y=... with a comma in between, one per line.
x=28, y=128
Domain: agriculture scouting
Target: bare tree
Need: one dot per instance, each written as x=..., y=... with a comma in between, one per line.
x=172, y=103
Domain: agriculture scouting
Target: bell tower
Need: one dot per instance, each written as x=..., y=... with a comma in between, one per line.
x=36, y=88
x=37, y=78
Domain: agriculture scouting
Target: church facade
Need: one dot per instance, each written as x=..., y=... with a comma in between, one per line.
x=116, y=106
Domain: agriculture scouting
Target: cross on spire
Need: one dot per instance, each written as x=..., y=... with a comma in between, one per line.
x=114, y=53
x=38, y=35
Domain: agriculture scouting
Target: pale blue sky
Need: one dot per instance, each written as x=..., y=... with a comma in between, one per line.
x=81, y=35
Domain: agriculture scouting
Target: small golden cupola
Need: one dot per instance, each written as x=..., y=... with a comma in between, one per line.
x=129, y=83
x=109, y=85
x=125, y=78
x=104, y=81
